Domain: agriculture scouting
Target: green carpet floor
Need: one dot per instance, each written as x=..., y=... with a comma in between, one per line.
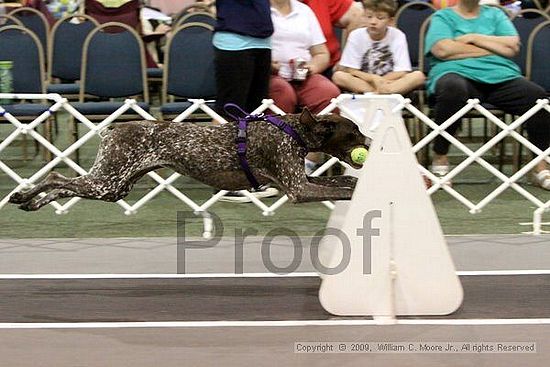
x=158, y=217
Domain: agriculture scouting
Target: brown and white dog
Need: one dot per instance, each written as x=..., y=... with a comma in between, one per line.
x=208, y=154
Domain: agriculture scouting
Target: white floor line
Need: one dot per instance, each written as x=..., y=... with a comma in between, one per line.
x=284, y=323
x=491, y=235
x=156, y=276
x=244, y=275
x=503, y=272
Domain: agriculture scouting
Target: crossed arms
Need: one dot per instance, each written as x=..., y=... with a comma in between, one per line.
x=475, y=45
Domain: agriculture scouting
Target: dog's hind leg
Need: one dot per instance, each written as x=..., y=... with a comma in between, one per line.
x=107, y=181
x=52, y=181
x=56, y=185
x=86, y=186
x=38, y=202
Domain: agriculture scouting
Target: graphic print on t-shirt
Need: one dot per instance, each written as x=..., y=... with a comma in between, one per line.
x=378, y=59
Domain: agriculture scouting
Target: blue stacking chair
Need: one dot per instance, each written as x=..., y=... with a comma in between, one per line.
x=193, y=8
x=412, y=19
x=538, y=54
x=197, y=17
x=423, y=63
x=188, y=69
x=113, y=67
x=525, y=22
x=6, y=19
x=65, y=53
x=21, y=46
x=409, y=19
x=36, y=22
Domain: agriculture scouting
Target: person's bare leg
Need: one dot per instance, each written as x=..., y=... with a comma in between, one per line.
x=351, y=83
x=403, y=85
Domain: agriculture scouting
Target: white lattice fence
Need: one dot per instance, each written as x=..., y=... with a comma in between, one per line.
x=345, y=104
x=357, y=107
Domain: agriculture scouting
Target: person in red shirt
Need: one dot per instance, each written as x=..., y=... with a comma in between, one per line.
x=344, y=14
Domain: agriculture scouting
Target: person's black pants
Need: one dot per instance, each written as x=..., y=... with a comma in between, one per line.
x=242, y=77
x=515, y=96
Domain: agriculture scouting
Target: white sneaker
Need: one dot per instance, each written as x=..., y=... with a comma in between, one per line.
x=262, y=192
x=541, y=179
x=440, y=171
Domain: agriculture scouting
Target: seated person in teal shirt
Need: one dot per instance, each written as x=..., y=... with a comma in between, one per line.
x=469, y=49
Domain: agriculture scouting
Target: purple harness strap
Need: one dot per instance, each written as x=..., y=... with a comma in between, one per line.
x=241, y=136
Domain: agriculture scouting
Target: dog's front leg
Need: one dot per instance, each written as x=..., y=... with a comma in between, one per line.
x=312, y=192
x=292, y=179
x=335, y=181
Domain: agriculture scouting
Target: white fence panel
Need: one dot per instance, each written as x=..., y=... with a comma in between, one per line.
x=342, y=103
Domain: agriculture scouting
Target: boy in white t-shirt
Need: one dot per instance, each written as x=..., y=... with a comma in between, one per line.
x=376, y=57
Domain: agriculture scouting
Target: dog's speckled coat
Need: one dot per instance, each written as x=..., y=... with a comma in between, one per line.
x=208, y=154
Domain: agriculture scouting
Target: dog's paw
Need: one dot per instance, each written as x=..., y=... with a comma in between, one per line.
x=28, y=206
x=17, y=198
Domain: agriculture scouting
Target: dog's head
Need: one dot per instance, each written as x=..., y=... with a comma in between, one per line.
x=333, y=134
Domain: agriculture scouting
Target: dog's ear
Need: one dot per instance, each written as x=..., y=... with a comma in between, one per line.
x=321, y=126
x=307, y=118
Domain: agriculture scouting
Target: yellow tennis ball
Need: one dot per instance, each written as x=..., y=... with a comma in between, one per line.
x=359, y=155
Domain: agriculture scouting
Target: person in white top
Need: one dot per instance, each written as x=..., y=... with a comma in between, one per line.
x=376, y=57
x=299, y=56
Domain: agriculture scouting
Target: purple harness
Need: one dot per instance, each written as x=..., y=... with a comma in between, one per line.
x=241, y=136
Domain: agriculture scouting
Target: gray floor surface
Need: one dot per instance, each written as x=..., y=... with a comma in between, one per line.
x=238, y=299
x=84, y=300
x=160, y=255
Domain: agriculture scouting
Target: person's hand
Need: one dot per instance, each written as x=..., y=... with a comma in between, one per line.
x=275, y=66
x=163, y=28
x=311, y=69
